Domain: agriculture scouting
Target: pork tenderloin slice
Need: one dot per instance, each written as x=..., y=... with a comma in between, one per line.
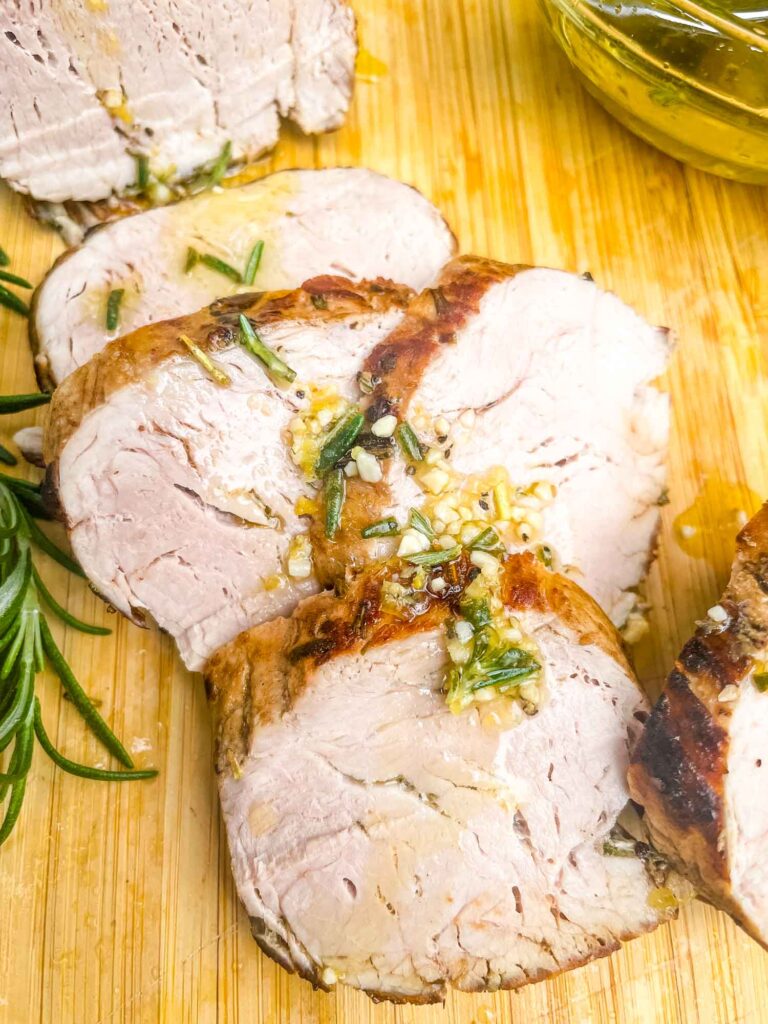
x=699, y=766
x=179, y=494
x=80, y=102
x=379, y=839
x=348, y=221
x=557, y=377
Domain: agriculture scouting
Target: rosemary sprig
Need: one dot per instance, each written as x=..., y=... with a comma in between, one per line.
x=26, y=645
x=114, y=299
x=253, y=264
x=419, y=522
x=251, y=340
x=409, y=442
x=19, y=403
x=11, y=301
x=22, y=282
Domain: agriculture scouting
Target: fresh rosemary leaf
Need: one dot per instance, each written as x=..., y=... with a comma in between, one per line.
x=476, y=612
x=340, y=440
x=251, y=340
x=253, y=264
x=217, y=374
x=113, y=308
x=5, y=259
x=220, y=266
x=219, y=169
x=83, y=770
x=409, y=442
x=335, y=493
x=11, y=301
x=22, y=282
x=421, y=523
x=486, y=540
x=7, y=457
x=62, y=613
x=383, y=528
x=430, y=558
x=80, y=699
x=19, y=403
x=20, y=761
x=47, y=545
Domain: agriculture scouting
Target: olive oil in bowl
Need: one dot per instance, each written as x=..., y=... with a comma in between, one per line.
x=689, y=77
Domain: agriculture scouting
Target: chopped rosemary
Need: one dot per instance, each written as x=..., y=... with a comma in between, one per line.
x=760, y=679
x=19, y=403
x=430, y=558
x=217, y=374
x=335, y=494
x=253, y=264
x=114, y=299
x=219, y=168
x=213, y=263
x=319, y=301
x=251, y=340
x=340, y=440
x=492, y=663
x=476, y=611
x=409, y=442
x=142, y=172
x=193, y=258
x=421, y=523
x=384, y=528
x=22, y=282
x=26, y=644
x=486, y=540
x=544, y=555
x=11, y=301
x=5, y=259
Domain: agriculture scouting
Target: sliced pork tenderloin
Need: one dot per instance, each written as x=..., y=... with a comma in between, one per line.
x=699, y=769
x=88, y=87
x=179, y=493
x=339, y=221
x=381, y=840
x=545, y=379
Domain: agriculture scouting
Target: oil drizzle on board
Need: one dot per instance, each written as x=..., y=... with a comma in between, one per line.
x=369, y=68
x=720, y=510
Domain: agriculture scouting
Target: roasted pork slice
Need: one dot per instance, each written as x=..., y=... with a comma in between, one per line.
x=534, y=393
x=383, y=840
x=345, y=221
x=88, y=88
x=168, y=459
x=700, y=766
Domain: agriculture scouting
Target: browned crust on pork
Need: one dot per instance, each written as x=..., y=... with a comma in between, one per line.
x=679, y=765
x=259, y=675
x=433, y=319
x=130, y=359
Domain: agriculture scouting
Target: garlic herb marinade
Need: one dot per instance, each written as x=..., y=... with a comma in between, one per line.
x=492, y=665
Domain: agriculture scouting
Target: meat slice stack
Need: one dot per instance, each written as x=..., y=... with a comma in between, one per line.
x=380, y=840
x=699, y=769
x=348, y=221
x=89, y=87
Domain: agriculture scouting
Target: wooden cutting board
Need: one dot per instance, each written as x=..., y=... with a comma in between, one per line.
x=116, y=903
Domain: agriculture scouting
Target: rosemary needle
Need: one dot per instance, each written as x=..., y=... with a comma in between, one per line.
x=22, y=282
x=19, y=403
x=11, y=301
x=253, y=264
x=251, y=340
x=113, y=308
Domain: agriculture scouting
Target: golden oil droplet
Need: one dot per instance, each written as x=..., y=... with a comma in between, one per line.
x=368, y=67
x=716, y=516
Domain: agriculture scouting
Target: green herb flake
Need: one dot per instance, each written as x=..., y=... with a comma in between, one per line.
x=113, y=308
x=432, y=558
x=193, y=258
x=142, y=172
x=215, y=372
x=339, y=441
x=421, y=523
x=20, y=403
x=219, y=168
x=409, y=442
x=214, y=263
x=335, y=495
x=250, y=340
x=253, y=264
x=5, y=259
x=383, y=528
x=760, y=679
x=476, y=612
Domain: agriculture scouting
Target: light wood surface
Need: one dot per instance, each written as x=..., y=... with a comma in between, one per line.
x=116, y=903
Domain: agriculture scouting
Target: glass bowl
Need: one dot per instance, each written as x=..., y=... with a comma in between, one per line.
x=688, y=77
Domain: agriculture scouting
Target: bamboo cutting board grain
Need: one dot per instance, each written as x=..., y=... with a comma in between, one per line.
x=116, y=903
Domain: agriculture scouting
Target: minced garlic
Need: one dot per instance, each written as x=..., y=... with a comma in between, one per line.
x=323, y=407
x=299, y=561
